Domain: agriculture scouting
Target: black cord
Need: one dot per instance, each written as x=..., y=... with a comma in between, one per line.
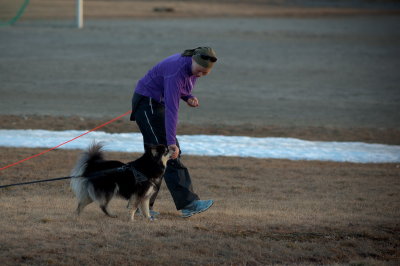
x=37, y=181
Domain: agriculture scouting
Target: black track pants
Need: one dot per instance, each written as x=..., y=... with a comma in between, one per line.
x=150, y=117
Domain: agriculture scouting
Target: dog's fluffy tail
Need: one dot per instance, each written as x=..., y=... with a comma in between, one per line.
x=94, y=153
x=79, y=184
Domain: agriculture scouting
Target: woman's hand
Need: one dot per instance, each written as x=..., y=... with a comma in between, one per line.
x=193, y=102
x=175, y=151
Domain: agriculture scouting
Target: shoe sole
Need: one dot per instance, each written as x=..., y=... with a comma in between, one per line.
x=193, y=213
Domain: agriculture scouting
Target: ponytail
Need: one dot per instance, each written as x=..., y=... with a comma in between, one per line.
x=189, y=52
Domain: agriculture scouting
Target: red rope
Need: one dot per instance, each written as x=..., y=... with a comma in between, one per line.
x=36, y=155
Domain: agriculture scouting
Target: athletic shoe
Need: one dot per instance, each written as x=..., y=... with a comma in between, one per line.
x=195, y=207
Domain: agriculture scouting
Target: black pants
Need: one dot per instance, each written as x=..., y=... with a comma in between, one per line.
x=150, y=117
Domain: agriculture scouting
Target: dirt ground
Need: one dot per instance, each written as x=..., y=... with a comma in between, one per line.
x=319, y=70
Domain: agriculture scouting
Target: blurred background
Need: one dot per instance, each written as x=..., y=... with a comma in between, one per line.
x=282, y=63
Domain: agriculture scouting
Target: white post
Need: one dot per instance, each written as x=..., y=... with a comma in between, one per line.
x=79, y=13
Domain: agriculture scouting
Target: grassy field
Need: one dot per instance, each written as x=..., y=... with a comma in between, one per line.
x=265, y=212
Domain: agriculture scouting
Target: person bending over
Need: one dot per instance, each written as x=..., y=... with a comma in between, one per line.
x=155, y=106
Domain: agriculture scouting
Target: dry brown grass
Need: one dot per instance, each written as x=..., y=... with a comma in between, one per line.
x=265, y=212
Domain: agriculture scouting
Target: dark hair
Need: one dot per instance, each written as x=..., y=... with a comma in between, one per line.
x=189, y=52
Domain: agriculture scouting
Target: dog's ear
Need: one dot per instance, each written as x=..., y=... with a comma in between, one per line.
x=154, y=151
x=151, y=149
x=162, y=149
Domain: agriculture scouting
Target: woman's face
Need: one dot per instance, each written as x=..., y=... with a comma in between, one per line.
x=198, y=70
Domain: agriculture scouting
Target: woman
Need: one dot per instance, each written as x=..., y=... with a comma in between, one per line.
x=155, y=106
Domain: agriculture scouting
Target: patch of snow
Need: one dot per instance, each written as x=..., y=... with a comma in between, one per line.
x=206, y=145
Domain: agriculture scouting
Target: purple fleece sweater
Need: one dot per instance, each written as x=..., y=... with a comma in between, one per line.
x=167, y=83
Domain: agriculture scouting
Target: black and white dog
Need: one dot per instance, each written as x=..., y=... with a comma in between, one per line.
x=98, y=180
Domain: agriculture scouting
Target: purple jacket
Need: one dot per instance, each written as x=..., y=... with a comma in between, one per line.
x=167, y=83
